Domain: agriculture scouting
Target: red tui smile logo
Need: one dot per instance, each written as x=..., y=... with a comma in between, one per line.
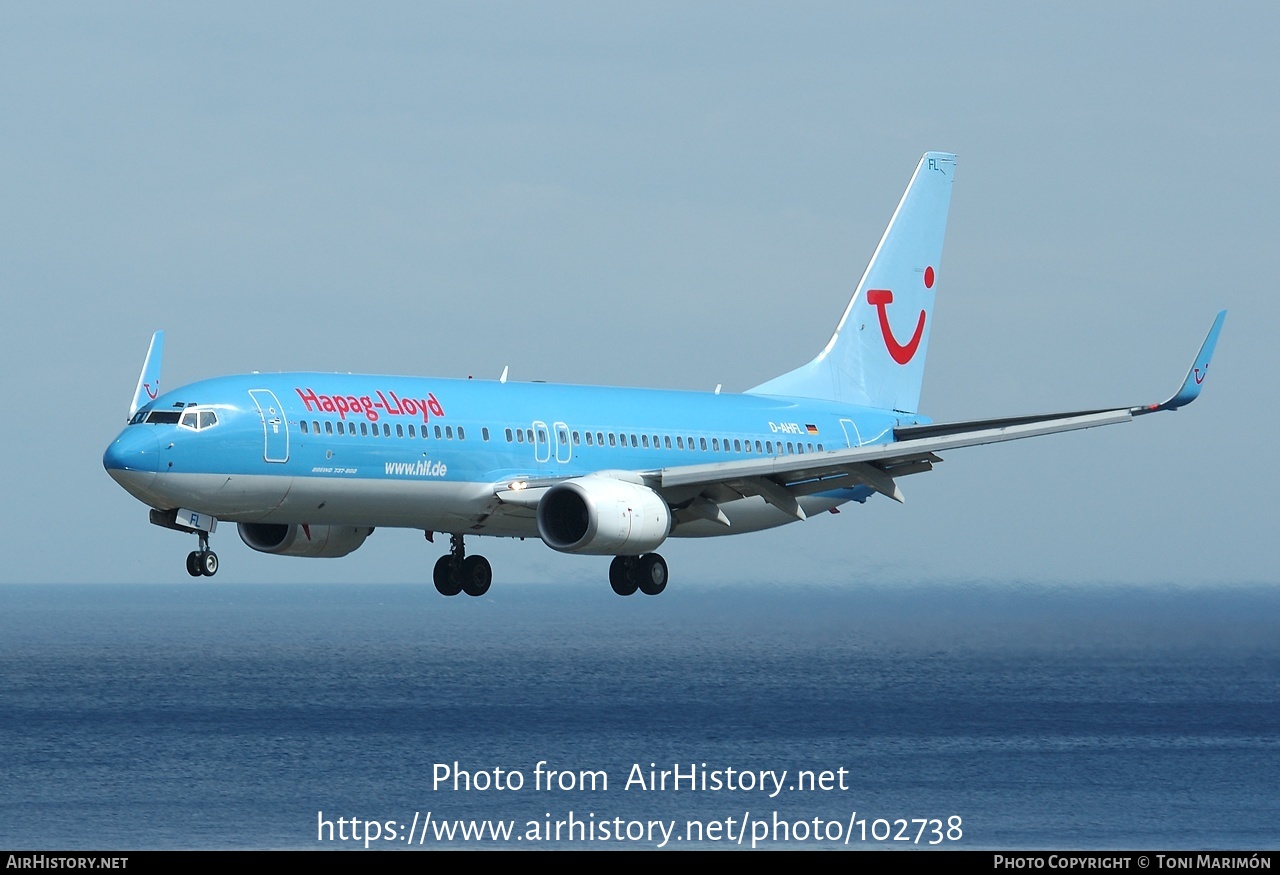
x=902, y=353
x=882, y=298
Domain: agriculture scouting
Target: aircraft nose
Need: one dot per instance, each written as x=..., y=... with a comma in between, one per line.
x=134, y=456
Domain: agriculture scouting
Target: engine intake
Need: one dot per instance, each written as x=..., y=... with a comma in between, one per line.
x=603, y=517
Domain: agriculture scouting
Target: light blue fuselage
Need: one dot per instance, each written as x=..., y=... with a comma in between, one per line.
x=429, y=453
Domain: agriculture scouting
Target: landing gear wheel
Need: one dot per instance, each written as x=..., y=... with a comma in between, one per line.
x=476, y=575
x=652, y=574
x=208, y=563
x=193, y=564
x=622, y=575
x=447, y=583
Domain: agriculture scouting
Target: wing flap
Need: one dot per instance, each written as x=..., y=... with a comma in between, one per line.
x=857, y=460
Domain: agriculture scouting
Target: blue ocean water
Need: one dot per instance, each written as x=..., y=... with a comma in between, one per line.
x=224, y=715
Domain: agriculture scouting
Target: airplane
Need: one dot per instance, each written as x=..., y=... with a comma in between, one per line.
x=309, y=464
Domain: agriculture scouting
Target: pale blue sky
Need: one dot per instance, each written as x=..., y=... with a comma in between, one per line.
x=672, y=195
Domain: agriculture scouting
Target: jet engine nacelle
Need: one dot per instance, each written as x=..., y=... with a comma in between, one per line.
x=603, y=517
x=283, y=539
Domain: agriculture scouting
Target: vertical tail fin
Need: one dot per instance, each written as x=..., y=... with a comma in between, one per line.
x=876, y=356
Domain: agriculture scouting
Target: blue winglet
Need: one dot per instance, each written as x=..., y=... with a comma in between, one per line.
x=149, y=379
x=1195, y=377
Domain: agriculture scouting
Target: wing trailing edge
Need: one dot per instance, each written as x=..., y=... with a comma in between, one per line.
x=914, y=448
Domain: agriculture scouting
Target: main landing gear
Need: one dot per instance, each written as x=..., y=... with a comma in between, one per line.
x=458, y=572
x=202, y=562
x=648, y=573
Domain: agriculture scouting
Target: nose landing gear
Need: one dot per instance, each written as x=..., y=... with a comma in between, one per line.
x=202, y=562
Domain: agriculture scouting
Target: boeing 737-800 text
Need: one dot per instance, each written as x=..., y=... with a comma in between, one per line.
x=309, y=464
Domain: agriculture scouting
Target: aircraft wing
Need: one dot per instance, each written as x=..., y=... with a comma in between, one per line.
x=696, y=491
x=781, y=480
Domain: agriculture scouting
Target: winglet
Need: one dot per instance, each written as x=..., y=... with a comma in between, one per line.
x=1195, y=377
x=149, y=379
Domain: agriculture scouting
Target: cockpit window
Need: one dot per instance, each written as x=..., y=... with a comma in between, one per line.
x=197, y=419
x=163, y=417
